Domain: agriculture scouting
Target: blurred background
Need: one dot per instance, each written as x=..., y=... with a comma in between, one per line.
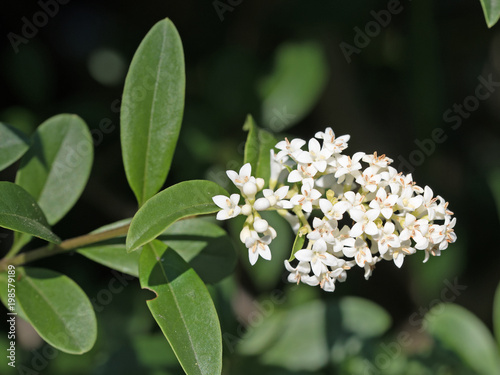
x=417, y=81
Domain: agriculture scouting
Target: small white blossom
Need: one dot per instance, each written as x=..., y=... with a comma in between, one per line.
x=308, y=196
x=388, y=238
x=289, y=148
x=229, y=206
x=318, y=257
x=244, y=176
x=316, y=156
x=348, y=166
x=258, y=246
x=302, y=269
x=360, y=252
x=335, y=145
x=277, y=198
x=364, y=222
x=303, y=171
x=385, y=203
x=333, y=211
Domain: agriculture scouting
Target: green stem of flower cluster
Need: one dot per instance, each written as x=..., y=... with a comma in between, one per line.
x=65, y=246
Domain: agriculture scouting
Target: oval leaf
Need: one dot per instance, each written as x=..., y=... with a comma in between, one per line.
x=20, y=212
x=112, y=253
x=204, y=245
x=491, y=10
x=184, y=199
x=57, y=166
x=291, y=91
x=461, y=331
x=13, y=144
x=57, y=308
x=183, y=309
x=152, y=108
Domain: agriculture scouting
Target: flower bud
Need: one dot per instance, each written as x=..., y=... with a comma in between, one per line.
x=244, y=234
x=261, y=204
x=246, y=210
x=249, y=189
x=260, y=183
x=260, y=225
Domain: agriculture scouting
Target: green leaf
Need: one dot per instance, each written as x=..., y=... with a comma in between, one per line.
x=291, y=91
x=20, y=212
x=297, y=244
x=491, y=10
x=364, y=318
x=496, y=315
x=176, y=202
x=57, y=166
x=257, y=149
x=183, y=309
x=152, y=108
x=204, y=245
x=112, y=253
x=57, y=308
x=13, y=145
x=461, y=331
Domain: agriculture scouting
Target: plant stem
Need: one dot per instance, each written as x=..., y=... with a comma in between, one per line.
x=65, y=246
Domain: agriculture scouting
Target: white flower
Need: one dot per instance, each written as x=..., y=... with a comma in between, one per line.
x=318, y=257
x=370, y=266
x=364, y=222
x=377, y=162
x=346, y=166
x=277, y=198
x=229, y=206
x=315, y=156
x=369, y=179
x=384, y=203
x=335, y=145
x=360, y=251
x=323, y=229
x=333, y=211
x=303, y=171
x=355, y=200
x=388, y=238
x=239, y=179
x=399, y=253
x=327, y=282
x=407, y=201
x=339, y=270
x=302, y=269
x=289, y=148
x=413, y=228
x=308, y=196
x=258, y=246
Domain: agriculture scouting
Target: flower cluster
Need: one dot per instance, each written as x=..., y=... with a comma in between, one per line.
x=353, y=210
